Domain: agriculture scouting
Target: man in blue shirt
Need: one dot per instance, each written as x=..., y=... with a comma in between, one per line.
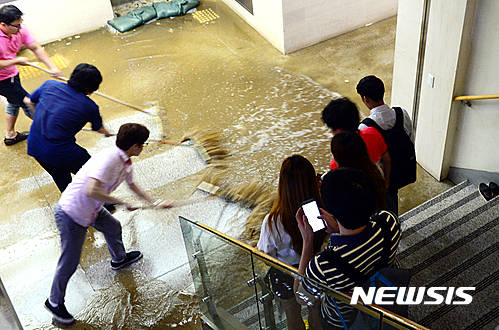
x=61, y=111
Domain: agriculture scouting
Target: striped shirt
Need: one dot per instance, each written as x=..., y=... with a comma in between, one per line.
x=363, y=251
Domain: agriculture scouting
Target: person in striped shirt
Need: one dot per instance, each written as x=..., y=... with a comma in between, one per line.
x=361, y=242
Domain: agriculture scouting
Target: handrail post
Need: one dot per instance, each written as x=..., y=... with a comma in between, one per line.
x=205, y=281
x=268, y=307
x=195, y=254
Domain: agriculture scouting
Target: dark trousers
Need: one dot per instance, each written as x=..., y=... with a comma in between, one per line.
x=392, y=200
x=61, y=173
x=72, y=239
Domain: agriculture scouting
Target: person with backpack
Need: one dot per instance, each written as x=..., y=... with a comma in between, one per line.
x=362, y=244
x=396, y=127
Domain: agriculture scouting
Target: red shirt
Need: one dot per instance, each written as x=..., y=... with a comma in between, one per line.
x=375, y=144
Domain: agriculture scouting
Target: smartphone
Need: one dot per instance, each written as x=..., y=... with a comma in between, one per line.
x=312, y=213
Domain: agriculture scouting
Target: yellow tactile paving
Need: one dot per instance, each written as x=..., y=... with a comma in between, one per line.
x=206, y=15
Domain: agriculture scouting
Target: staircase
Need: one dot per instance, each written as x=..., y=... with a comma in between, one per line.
x=452, y=241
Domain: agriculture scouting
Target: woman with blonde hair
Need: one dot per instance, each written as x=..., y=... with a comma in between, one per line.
x=280, y=236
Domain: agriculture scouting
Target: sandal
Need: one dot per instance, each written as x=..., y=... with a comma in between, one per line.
x=18, y=138
x=485, y=191
x=494, y=188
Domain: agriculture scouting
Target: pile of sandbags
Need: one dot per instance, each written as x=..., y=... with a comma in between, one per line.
x=158, y=10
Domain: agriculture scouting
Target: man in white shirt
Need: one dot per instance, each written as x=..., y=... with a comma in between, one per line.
x=81, y=205
x=372, y=90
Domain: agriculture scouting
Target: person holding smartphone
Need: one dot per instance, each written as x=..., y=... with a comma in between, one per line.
x=280, y=236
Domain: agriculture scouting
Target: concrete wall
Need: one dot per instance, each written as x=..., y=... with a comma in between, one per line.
x=49, y=20
x=291, y=25
x=406, y=53
x=309, y=22
x=445, y=59
x=444, y=71
x=267, y=19
x=476, y=145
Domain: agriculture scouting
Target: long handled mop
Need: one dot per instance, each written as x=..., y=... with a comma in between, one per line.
x=96, y=92
x=207, y=143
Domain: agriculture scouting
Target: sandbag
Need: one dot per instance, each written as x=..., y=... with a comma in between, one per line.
x=126, y=22
x=167, y=8
x=146, y=13
x=187, y=5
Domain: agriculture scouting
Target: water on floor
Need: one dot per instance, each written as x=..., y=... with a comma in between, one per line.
x=220, y=75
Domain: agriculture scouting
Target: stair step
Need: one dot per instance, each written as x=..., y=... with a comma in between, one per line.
x=452, y=241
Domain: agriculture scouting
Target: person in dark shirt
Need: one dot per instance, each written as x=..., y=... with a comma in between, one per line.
x=61, y=112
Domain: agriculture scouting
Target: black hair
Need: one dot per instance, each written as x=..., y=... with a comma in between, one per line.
x=350, y=150
x=130, y=134
x=372, y=87
x=85, y=78
x=341, y=114
x=349, y=196
x=9, y=14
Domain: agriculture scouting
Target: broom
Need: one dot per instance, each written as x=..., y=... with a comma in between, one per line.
x=253, y=194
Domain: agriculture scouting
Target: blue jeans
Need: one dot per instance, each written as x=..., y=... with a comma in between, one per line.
x=13, y=109
x=72, y=239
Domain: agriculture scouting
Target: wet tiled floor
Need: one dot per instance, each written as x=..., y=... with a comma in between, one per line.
x=219, y=75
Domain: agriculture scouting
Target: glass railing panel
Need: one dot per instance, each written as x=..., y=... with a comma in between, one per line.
x=294, y=305
x=8, y=316
x=240, y=287
x=223, y=279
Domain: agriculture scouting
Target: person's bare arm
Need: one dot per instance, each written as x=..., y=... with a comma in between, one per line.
x=43, y=57
x=303, y=297
x=30, y=104
x=104, y=131
x=158, y=203
x=93, y=189
x=20, y=60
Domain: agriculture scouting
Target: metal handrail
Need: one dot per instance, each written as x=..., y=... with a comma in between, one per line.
x=388, y=317
x=476, y=97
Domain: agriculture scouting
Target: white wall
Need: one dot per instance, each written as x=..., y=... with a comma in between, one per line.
x=49, y=20
x=309, y=22
x=267, y=19
x=291, y=25
x=477, y=135
x=406, y=56
x=445, y=58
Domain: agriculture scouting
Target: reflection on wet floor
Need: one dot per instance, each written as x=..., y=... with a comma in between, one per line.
x=218, y=75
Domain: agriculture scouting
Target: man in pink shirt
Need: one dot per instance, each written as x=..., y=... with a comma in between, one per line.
x=13, y=35
x=81, y=204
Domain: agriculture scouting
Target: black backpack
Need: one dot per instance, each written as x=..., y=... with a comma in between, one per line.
x=386, y=276
x=401, y=150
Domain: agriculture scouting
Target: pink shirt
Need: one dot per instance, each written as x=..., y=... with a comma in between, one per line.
x=9, y=47
x=111, y=167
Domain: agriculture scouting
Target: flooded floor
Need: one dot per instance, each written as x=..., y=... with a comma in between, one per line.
x=219, y=75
